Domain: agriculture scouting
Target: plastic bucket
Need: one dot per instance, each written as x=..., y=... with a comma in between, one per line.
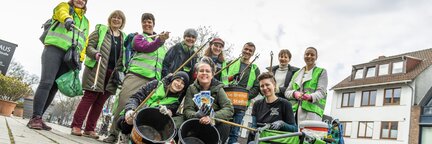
x=314, y=128
x=152, y=127
x=237, y=95
x=192, y=132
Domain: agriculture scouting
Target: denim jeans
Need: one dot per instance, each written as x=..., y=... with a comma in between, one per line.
x=234, y=133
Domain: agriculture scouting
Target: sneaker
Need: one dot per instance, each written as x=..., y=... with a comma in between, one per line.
x=110, y=139
x=45, y=126
x=76, y=131
x=35, y=123
x=91, y=134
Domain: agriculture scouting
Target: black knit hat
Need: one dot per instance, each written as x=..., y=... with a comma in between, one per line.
x=183, y=76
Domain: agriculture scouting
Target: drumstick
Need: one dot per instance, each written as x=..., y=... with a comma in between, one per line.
x=234, y=124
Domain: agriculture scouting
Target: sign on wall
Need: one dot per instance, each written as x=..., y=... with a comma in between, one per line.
x=7, y=50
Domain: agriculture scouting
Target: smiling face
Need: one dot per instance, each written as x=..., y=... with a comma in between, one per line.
x=216, y=48
x=189, y=40
x=310, y=57
x=177, y=85
x=116, y=22
x=79, y=3
x=205, y=74
x=248, y=51
x=284, y=59
x=147, y=26
x=267, y=87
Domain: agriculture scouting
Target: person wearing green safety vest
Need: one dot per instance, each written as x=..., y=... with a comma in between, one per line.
x=246, y=80
x=170, y=101
x=144, y=66
x=58, y=40
x=272, y=110
x=308, y=89
x=180, y=53
x=106, y=45
x=215, y=52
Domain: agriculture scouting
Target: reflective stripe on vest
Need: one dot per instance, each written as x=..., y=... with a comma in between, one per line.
x=102, y=31
x=148, y=64
x=235, y=68
x=308, y=88
x=158, y=98
x=62, y=38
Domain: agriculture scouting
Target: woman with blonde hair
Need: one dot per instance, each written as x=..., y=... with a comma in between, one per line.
x=103, y=62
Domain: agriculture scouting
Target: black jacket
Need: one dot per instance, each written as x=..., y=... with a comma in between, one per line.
x=175, y=57
x=288, y=77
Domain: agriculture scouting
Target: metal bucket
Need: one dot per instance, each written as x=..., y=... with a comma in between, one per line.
x=152, y=127
x=192, y=132
x=238, y=96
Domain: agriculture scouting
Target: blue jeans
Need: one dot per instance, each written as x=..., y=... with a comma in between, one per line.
x=234, y=133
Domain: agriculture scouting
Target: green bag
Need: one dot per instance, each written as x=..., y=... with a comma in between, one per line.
x=69, y=84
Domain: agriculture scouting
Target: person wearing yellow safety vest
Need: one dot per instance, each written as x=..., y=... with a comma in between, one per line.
x=215, y=52
x=57, y=41
x=144, y=66
x=171, y=101
x=308, y=88
x=106, y=44
x=246, y=80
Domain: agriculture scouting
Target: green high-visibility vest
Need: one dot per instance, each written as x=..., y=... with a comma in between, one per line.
x=102, y=31
x=158, y=98
x=234, y=69
x=308, y=88
x=148, y=64
x=224, y=73
x=62, y=38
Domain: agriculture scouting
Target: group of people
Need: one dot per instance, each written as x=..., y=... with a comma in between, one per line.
x=169, y=78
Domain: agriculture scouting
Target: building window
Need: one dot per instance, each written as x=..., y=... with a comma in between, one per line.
x=426, y=133
x=346, y=128
x=397, y=67
x=392, y=96
x=365, y=129
x=383, y=69
x=359, y=74
x=368, y=98
x=370, y=72
x=348, y=99
x=389, y=130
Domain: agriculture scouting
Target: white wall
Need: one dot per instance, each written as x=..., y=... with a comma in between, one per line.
x=377, y=113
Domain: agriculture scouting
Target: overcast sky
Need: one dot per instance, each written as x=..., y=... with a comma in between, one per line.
x=345, y=32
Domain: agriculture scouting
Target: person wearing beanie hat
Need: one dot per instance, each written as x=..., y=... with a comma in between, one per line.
x=179, y=53
x=215, y=52
x=169, y=102
x=181, y=75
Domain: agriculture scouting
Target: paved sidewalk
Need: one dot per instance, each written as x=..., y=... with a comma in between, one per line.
x=13, y=130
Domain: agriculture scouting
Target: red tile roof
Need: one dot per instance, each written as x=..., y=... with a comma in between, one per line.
x=424, y=57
